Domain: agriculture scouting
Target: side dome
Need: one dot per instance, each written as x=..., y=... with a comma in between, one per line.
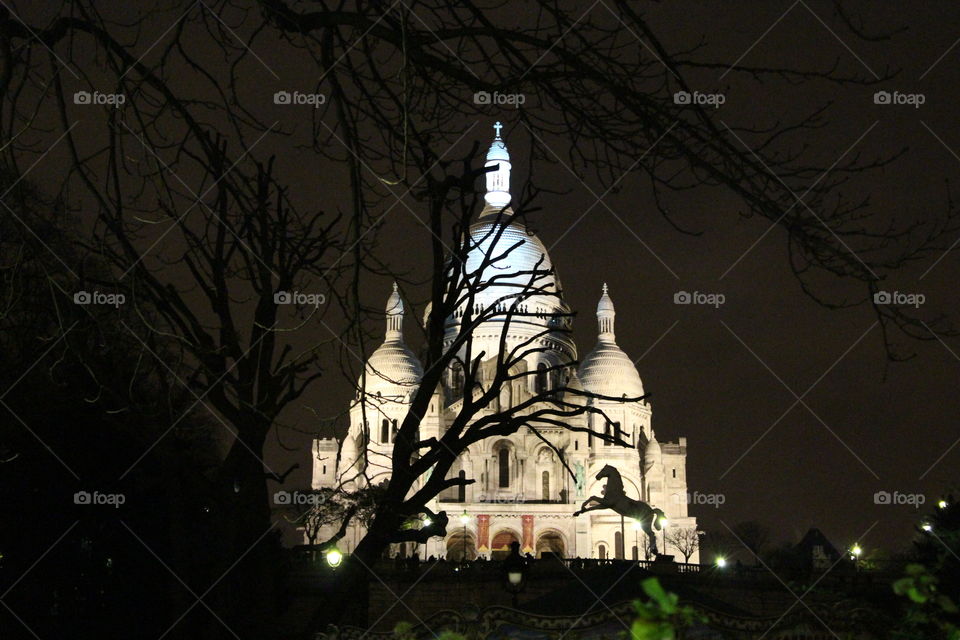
x=652, y=453
x=607, y=370
x=392, y=371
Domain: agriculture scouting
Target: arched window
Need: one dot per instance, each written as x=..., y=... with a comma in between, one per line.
x=385, y=431
x=541, y=383
x=393, y=435
x=602, y=552
x=616, y=430
x=504, y=460
x=618, y=545
x=462, y=489
x=636, y=553
x=545, y=481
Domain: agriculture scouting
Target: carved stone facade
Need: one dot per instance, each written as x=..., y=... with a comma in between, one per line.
x=522, y=490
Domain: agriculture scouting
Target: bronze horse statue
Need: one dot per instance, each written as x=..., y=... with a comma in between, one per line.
x=615, y=498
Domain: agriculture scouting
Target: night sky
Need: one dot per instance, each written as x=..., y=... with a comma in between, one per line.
x=728, y=378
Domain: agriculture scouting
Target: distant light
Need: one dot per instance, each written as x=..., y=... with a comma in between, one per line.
x=942, y=504
x=464, y=518
x=515, y=577
x=856, y=550
x=927, y=527
x=637, y=526
x=721, y=562
x=663, y=521
x=334, y=557
x=427, y=522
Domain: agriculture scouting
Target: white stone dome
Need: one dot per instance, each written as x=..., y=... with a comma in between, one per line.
x=607, y=370
x=522, y=254
x=392, y=370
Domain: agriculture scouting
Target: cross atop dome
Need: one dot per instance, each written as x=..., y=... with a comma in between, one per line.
x=498, y=180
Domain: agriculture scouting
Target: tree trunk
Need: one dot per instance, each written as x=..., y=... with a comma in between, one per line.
x=250, y=559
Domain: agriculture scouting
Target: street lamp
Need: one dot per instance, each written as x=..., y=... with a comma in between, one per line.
x=464, y=520
x=927, y=527
x=515, y=572
x=663, y=526
x=334, y=557
x=636, y=537
x=426, y=522
x=721, y=562
x=855, y=552
x=942, y=504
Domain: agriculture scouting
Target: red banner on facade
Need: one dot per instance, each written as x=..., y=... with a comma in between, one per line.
x=527, y=533
x=483, y=533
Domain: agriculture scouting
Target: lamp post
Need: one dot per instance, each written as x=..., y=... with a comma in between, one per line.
x=333, y=557
x=464, y=519
x=515, y=572
x=426, y=522
x=855, y=552
x=636, y=538
x=663, y=526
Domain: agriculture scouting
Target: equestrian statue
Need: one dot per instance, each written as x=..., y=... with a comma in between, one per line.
x=615, y=498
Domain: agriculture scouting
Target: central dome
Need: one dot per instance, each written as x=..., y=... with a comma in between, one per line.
x=508, y=276
x=518, y=266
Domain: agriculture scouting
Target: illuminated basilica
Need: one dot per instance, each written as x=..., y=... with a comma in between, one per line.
x=522, y=492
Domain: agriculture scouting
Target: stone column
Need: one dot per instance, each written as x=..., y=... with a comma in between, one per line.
x=528, y=541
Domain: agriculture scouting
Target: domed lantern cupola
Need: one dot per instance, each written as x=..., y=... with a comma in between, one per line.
x=498, y=179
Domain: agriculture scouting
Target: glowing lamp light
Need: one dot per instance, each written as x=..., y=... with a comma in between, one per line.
x=334, y=557
x=515, y=577
x=637, y=526
x=942, y=504
x=464, y=518
x=427, y=522
x=856, y=550
x=663, y=521
x=927, y=527
x=721, y=562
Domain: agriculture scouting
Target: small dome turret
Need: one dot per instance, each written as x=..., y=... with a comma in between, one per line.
x=652, y=454
x=392, y=370
x=607, y=370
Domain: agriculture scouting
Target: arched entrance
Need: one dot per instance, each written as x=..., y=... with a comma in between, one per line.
x=457, y=545
x=500, y=546
x=552, y=542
